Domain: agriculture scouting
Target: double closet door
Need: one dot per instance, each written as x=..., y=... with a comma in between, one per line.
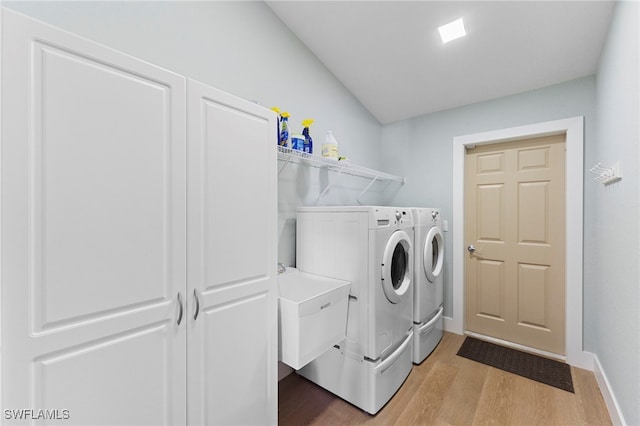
x=138, y=240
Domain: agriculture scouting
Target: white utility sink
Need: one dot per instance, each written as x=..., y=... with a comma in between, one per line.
x=312, y=315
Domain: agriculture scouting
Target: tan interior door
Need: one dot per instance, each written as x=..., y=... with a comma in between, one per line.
x=515, y=221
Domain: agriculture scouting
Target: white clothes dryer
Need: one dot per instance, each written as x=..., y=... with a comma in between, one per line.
x=372, y=247
x=428, y=282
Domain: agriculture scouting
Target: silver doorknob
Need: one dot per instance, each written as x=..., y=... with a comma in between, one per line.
x=471, y=248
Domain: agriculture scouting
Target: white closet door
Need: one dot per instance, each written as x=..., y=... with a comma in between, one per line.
x=232, y=181
x=93, y=230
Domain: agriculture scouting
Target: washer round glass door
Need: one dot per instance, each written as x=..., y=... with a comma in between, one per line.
x=396, y=266
x=433, y=254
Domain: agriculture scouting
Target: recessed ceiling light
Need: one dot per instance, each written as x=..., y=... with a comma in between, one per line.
x=452, y=30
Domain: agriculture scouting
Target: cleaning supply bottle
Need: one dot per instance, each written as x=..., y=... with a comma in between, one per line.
x=277, y=111
x=284, y=129
x=308, y=142
x=297, y=142
x=330, y=146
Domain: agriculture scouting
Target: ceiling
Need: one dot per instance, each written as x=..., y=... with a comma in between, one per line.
x=390, y=56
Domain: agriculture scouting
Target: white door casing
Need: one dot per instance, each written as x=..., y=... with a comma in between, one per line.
x=573, y=127
x=93, y=230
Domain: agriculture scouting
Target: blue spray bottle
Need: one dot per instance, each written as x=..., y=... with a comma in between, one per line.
x=308, y=142
x=284, y=130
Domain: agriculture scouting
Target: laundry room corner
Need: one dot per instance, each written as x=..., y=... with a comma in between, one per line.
x=428, y=157
x=306, y=212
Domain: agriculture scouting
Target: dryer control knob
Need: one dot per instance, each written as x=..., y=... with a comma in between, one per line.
x=398, y=215
x=434, y=214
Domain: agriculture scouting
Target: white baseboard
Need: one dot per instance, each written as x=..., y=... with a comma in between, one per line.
x=607, y=393
x=451, y=325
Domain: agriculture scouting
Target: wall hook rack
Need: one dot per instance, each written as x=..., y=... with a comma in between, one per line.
x=606, y=175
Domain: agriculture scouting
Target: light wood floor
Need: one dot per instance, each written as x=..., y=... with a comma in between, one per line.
x=450, y=390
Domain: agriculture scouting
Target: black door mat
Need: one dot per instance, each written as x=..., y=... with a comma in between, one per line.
x=533, y=367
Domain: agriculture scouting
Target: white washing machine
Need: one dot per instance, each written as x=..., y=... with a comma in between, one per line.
x=428, y=282
x=372, y=247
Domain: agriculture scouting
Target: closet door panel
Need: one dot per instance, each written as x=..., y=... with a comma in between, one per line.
x=130, y=393
x=232, y=263
x=238, y=191
x=100, y=200
x=93, y=230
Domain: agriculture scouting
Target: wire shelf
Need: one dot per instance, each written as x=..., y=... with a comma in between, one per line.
x=344, y=167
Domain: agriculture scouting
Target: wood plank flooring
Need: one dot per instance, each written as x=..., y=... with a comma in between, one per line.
x=450, y=390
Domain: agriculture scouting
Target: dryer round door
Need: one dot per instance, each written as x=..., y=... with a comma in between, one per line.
x=433, y=254
x=396, y=266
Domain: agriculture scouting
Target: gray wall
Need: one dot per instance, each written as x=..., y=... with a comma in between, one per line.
x=422, y=147
x=244, y=49
x=612, y=257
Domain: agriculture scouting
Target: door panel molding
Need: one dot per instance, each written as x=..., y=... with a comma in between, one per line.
x=574, y=129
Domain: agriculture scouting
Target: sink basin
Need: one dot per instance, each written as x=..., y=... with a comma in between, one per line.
x=312, y=315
